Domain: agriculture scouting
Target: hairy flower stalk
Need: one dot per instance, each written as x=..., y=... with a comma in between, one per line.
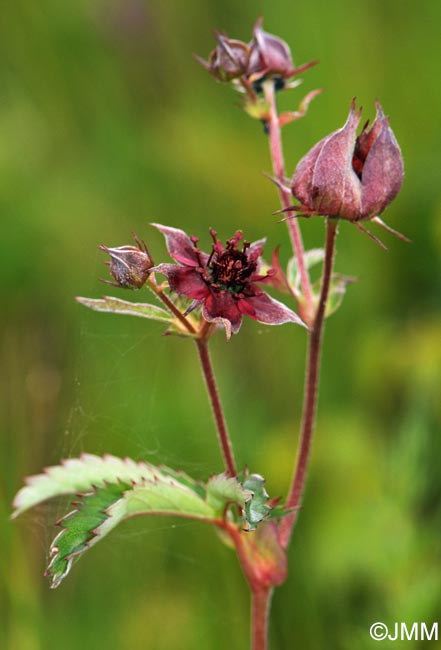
x=260, y=611
x=216, y=405
x=311, y=390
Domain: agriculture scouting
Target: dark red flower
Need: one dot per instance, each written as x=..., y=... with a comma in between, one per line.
x=225, y=282
x=350, y=177
x=130, y=266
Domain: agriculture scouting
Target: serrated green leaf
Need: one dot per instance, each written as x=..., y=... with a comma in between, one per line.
x=337, y=290
x=312, y=257
x=186, y=480
x=112, y=489
x=223, y=490
x=118, y=306
x=101, y=511
x=79, y=475
x=79, y=528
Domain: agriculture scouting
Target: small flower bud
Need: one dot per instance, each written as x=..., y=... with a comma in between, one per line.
x=270, y=56
x=349, y=177
x=129, y=266
x=229, y=60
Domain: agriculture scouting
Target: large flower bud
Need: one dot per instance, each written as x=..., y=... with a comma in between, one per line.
x=350, y=177
x=129, y=266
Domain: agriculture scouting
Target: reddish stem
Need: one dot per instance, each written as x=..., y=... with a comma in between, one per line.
x=311, y=390
x=285, y=198
x=260, y=608
x=171, y=306
x=210, y=381
x=261, y=591
x=213, y=393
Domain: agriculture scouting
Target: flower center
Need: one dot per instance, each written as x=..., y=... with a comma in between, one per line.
x=231, y=270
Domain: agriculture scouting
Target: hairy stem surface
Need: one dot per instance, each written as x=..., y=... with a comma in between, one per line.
x=285, y=198
x=311, y=390
x=213, y=393
x=260, y=608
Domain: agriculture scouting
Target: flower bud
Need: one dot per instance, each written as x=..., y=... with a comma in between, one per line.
x=270, y=56
x=129, y=266
x=229, y=60
x=350, y=177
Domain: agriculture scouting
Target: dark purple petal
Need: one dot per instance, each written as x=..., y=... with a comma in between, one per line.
x=336, y=189
x=269, y=54
x=179, y=245
x=245, y=307
x=383, y=170
x=365, y=141
x=275, y=276
x=301, y=186
x=221, y=307
x=269, y=311
x=230, y=59
x=184, y=280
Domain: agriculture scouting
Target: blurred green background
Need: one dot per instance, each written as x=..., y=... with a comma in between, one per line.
x=107, y=124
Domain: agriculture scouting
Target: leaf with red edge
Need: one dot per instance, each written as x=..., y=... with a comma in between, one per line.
x=112, y=489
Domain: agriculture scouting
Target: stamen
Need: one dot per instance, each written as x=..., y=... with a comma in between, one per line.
x=211, y=255
x=194, y=241
x=233, y=242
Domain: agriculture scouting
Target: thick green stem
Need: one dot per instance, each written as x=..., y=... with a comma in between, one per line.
x=311, y=390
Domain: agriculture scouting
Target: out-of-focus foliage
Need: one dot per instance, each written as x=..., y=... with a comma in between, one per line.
x=107, y=124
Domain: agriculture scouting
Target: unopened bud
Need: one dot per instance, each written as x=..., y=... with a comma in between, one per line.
x=229, y=60
x=270, y=56
x=350, y=177
x=129, y=266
